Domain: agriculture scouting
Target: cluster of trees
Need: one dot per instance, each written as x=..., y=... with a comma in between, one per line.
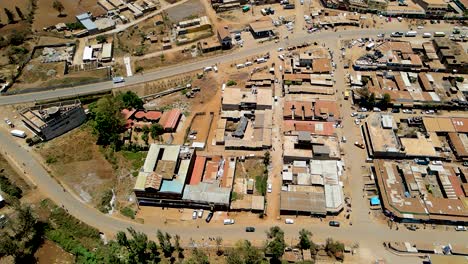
x=369, y=100
x=58, y=6
x=106, y=114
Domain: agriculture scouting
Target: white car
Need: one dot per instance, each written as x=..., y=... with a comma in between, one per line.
x=460, y=228
x=289, y=221
x=353, y=114
x=270, y=188
x=200, y=213
x=194, y=214
x=357, y=121
x=436, y=162
x=7, y=121
x=420, y=27
x=280, y=49
x=228, y=221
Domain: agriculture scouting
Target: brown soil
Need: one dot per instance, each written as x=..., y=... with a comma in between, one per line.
x=50, y=253
x=47, y=16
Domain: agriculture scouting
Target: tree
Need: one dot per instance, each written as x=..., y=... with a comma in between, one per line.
x=145, y=138
x=137, y=249
x=101, y=39
x=108, y=121
x=57, y=5
x=277, y=245
x=219, y=242
x=130, y=100
x=165, y=242
x=266, y=158
x=386, y=100
x=244, y=252
x=304, y=240
x=334, y=248
x=23, y=236
x=17, y=37
x=198, y=257
x=177, y=247
x=156, y=130
x=18, y=11
x=10, y=15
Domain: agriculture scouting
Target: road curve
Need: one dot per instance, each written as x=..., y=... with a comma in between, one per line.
x=188, y=67
x=366, y=233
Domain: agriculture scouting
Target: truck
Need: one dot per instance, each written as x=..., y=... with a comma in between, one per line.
x=411, y=34
x=370, y=46
x=439, y=34
x=18, y=133
x=289, y=6
x=346, y=94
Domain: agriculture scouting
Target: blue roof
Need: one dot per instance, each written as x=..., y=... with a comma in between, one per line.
x=375, y=200
x=177, y=184
x=88, y=24
x=83, y=16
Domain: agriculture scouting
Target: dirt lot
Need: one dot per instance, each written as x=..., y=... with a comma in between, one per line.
x=23, y=5
x=201, y=125
x=133, y=40
x=49, y=252
x=188, y=10
x=47, y=16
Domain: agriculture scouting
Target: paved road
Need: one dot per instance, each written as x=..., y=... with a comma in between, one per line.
x=188, y=67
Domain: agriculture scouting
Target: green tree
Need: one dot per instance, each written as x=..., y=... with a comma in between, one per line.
x=145, y=138
x=23, y=236
x=57, y=5
x=165, y=243
x=386, y=100
x=130, y=100
x=244, y=252
x=177, y=247
x=18, y=11
x=304, y=239
x=266, y=158
x=335, y=248
x=10, y=15
x=156, y=130
x=17, y=37
x=108, y=121
x=198, y=257
x=277, y=244
x=137, y=249
x=101, y=39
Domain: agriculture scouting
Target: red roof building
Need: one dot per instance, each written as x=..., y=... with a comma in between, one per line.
x=314, y=127
x=170, y=119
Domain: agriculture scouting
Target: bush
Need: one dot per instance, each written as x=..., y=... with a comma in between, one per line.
x=138, y=69
x=101, y=39
x=128, y=212
x=75, y=26
x=50, y=159
x=261, y=184
x=459, y=79
x=231, y=83
x=106, y=197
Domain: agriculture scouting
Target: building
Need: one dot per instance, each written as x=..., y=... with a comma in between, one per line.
x=451, y=54
x=376, y=6
x=174, y=176
x=170, y=120
x=433, y=8
x=52, y=120
x=247, y=99
x=193, y=25
x=262, y=28
x=224, y=37
x=381, y=139
x=86, y=20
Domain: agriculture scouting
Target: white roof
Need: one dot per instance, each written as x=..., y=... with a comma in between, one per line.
x=106, y=50
x=88, y=53
x=287, y=176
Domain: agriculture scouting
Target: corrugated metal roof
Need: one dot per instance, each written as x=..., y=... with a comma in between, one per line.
x=88, y=24
x=140, y=181
x=171, y=152
x=151, y=158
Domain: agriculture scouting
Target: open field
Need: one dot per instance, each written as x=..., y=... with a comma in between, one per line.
x=23, y=5
x=47, y=16
x=188, y=10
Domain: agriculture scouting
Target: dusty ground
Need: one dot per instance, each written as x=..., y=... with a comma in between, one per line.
x=47, y=16
x=22, y=4
x=188, y=10
x=50, y=253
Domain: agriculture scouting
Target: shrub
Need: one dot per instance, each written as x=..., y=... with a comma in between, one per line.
x=128, y=212
x=231, y=83
x=9, y=188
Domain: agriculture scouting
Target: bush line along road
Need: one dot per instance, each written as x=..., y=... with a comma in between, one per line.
x=363, y=231
x=198, y=65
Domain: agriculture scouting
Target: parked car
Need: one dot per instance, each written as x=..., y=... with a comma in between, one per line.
x=270, y=188
x=353, y=114
x=250, y=229
x=395, y=110
x=200, y=213
x=460, y=228
x=228, y=221
x=334, y=223
x=289, y=221
x=357, y=121
x=359, y=145
x=194, y=214
x=208, y=218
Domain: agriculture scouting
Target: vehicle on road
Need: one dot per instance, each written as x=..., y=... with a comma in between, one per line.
x=18, y=133
x=250, y=229
x=407, y=111
x=396, y=34
x=200, y=213
x=343, y=139
x=376, y=109
x=118, y=79
x=270, y=188
x=436, y=162
x=439, y=34
x=357, y=121
x=411, y=34
x=460, y=228
x=353, y=114
x=289, y=221
x=427, y=35
x=228, y=221
x=420, y=27
x=381, y=35
x=359, y=145
x=334, y=223
x=395, y=110
x=208, y=218
x=194, y=214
